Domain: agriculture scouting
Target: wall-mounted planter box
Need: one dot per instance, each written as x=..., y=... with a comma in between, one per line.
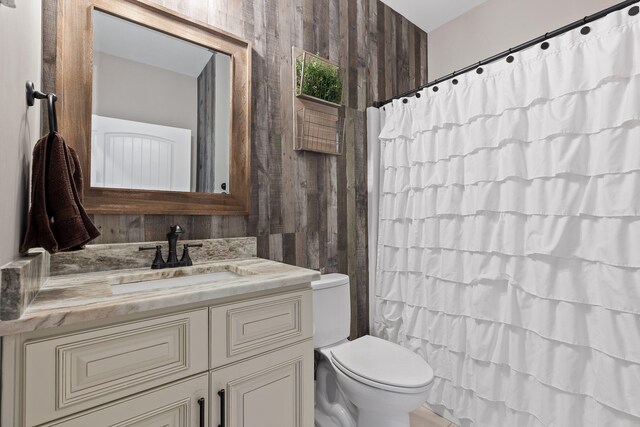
x=318, y=114
x=317, y=79
x=319, y=128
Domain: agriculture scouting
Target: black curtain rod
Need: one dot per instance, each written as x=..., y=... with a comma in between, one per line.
x=518, y=48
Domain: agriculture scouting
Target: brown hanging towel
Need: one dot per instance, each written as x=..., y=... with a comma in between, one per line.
x=57, y=220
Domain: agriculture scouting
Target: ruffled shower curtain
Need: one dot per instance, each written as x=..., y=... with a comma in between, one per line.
x=508, y=253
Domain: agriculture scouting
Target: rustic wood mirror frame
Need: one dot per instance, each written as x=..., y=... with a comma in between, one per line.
x=74, y=77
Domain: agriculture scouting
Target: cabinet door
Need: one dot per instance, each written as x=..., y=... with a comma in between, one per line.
x=273, y=390
x=176, y=405
x=71, y=373
x=250, y=328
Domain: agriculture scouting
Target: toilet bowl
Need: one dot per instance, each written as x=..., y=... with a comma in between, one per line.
x=367, y=382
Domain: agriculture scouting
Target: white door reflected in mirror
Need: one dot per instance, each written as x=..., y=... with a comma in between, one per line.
x=161, y=111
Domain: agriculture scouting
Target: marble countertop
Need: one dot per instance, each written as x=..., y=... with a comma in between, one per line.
x=75, y=298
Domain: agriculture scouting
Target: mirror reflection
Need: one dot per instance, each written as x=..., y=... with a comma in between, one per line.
x=161, y=113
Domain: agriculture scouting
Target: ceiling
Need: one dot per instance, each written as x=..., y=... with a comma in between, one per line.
x=430, y=14
x=117, y=37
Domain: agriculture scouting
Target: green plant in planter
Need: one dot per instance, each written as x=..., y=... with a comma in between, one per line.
x=321, y=80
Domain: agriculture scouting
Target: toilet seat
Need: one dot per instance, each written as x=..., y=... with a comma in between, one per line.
x=383, y=365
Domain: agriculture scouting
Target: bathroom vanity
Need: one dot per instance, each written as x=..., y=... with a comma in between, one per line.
x=96, y=337
x=221, y=343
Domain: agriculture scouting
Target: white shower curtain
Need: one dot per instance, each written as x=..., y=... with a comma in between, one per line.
x=509, y=233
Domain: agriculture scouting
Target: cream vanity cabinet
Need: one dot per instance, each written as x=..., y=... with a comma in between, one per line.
x=272, y=389
x=243, y=363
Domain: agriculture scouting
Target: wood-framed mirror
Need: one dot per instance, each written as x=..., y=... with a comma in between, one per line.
x=157, y=106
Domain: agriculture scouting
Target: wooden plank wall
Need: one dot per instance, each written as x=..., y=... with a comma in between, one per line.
x=206, y=141
x=308, y=209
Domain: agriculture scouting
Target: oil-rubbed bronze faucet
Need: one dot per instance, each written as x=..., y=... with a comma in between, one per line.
x=172, y=259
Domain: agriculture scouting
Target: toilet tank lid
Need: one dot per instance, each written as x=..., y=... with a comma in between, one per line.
x=329, y=281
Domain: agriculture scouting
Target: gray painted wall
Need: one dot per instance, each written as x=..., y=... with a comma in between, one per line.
x=20, y=60
x=497, y=25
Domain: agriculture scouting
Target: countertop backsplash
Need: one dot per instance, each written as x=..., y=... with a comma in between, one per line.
x=21, y=280
x=126, y=255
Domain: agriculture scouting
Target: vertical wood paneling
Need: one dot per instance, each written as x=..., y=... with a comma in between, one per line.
x=321, y=22
x=307, y=209
x=361, y=243
x=394, y=54
x=412, y=58
x=277, y=69
x=362, y=52
x=342, y=226
x=289, y=248
x=334, y=31
x=380, y=53
x=193, y=9
x=236, y=226
x=331, y=191
x=334, y=186
x=371, y=43
x=312, y=245
x=424, y=59
x=49, y=32
x=420, y=56
x=352, y=267
x=402, y=70
x=217, y=13
x=321, y=19
x=283, y=36
x=275, y=247
x=119, y=228
x=300, y=38
x=206, y=144
x=261, y=150
x=323, y=205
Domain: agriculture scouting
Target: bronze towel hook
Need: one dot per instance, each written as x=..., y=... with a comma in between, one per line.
x=33, y=94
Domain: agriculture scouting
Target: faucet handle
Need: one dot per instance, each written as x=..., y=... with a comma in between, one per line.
x=186, y=259
x=158, y=261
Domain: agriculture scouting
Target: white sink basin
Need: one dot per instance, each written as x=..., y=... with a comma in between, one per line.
x=173, y=282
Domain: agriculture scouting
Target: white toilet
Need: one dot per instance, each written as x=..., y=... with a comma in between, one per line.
x=368, y=382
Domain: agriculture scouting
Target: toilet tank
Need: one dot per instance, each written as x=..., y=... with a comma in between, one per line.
x=331, y=310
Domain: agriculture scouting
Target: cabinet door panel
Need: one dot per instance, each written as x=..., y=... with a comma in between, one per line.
x=71, y=373
x=249, y=328
x=175, y=405
x=273, y=390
